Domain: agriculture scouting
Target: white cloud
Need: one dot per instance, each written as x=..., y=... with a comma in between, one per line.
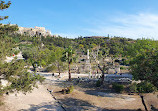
x=133, y=26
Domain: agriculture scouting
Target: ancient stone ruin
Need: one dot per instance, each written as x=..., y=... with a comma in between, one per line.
x=40, y=31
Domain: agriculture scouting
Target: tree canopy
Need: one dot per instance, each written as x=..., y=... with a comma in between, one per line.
x=3, y=6
x=15, y=73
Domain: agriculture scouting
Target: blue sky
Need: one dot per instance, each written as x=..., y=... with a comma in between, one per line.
x=73, y=18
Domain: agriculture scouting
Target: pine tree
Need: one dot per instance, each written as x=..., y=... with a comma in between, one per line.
x=3, y=6
x=15, y=73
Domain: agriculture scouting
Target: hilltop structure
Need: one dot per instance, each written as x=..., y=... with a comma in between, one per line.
x=41, y=31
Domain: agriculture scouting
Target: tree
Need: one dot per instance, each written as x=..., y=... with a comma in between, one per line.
x=69, y=56
x=56, y=57
x=104, y=65
x=143, y=57
x=14, y=72
x=140, y=46
x=144, y=67
x=3, y=6
x=8, y=29
x=17, y=77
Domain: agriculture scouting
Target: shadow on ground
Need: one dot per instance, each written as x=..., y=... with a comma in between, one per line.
x=101, y=93
x=44, y=107
x=71, y=104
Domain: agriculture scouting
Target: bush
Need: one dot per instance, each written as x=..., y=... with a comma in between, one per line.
x=126, y=62
x=133, y=87
x=98, y=83
x=63, y=91
x=145, y=87
x=118, y=87
x=16, y=52
x=122, y=68
x=50, y=68
x=68, y=90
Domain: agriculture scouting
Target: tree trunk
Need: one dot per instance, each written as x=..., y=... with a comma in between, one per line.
x=102, y=70
x=59, y=70
x=69, y=73
x=102, y=78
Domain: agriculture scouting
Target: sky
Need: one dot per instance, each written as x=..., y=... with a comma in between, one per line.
x=72, y=18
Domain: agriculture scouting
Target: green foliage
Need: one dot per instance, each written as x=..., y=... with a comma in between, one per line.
x=145, y=87
x=98, y=83
x=122, y=68
x=68, y=90
x=36, y=55
x=116, y=46
x=140, y=46
x=69, y=57
x=57, y=41
x=145, y=67
x=143, y=57
x=133, y=87
x=6, y=44
x=8, y=29
x=51, y=68
x=118, y=87
x=3, y=6
x=18, y=77
x=16, y=52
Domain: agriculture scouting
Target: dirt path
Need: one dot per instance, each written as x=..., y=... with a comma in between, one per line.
x=39, y=100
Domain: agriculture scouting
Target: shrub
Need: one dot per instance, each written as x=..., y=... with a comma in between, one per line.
x=133, y=87
x=98, y=83
x=68, y=90
x=118, y=87
x=63, y=91
x=145, y=87
x=122, y=68
x=16, y=52
x=50, y=68
x=126, y=62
